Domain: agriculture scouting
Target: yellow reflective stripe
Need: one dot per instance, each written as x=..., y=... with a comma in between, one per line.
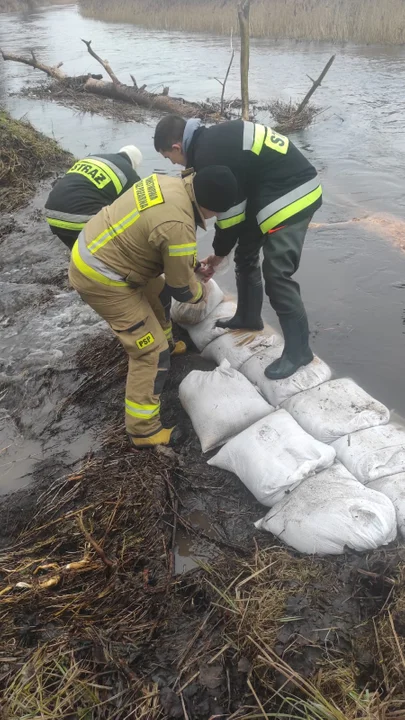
x=113, y=231
x=89, y=272
x=291, y=210
x=198, y=294
x=87, y=165
x=168, y=332
x=110, y=173
x=260, y=132
x=182, y=253
x=65, y=224
x=230, y=222
x=184, y=249
x=146, y=412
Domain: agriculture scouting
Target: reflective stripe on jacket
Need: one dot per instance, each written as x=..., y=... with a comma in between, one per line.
x=277, y=185
x=89, y=185
x=66, y=221
x=148, y=231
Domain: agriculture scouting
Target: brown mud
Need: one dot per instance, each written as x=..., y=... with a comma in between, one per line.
x=98, y=618
x=95, y=550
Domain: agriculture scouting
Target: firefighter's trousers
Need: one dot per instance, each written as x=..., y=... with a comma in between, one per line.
x=140, y=318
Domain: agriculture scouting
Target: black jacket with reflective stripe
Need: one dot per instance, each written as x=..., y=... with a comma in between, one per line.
x=262, y=178
x=78, y=193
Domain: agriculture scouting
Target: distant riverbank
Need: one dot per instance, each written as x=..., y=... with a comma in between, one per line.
x=27, y=5
x=359, y=21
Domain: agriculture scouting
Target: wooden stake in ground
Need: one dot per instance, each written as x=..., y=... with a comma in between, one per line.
x=243, y=15
x=315, y=85
x=222, y=106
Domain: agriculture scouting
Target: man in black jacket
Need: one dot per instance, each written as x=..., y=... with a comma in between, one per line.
x=89, y=185
x=278, y=192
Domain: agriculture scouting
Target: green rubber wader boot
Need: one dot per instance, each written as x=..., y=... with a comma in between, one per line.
x=296, y=351
x=250, y=301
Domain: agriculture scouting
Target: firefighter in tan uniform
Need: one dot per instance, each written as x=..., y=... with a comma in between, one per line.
x=116, y=266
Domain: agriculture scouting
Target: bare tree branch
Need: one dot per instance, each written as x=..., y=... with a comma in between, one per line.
x=53, y=72
x=316, y=84
x=104, y=63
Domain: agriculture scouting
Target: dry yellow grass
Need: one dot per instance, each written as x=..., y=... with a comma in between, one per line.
x=363, y=21
x=26, y=156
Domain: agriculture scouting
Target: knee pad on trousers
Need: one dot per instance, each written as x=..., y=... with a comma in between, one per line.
x=162, y=370
x=166, y=301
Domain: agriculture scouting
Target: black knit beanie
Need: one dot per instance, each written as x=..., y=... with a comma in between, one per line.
x=215, y=188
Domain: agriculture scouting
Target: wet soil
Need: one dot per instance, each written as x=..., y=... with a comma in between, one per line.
x=325, y=622
x=62, y=384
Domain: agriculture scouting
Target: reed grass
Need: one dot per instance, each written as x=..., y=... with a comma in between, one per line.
x=253, y=598
x=29, y=5
x=361, y=21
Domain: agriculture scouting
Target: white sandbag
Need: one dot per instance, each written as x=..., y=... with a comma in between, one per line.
x=238, y=346
x=278, y=391
x=394, y=488
x=331, y=511
x=336, y=408
x=206, y=331
x=373, y=453
x=273, y=456
x=221, y=404
x=185, y=314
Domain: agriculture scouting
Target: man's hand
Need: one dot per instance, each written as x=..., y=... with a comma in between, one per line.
x=208, y=266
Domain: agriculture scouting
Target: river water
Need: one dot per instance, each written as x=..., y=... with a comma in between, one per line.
x=352, y=273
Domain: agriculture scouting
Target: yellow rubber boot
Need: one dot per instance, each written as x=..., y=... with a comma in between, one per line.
x=165, y=436
x=178, y=348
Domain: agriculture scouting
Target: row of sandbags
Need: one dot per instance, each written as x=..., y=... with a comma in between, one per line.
x=327, y=461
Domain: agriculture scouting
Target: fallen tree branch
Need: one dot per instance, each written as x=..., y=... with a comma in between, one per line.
x=105, y=64
x=70, y=90
x=51, y=71
x=316, y=84
x=144, y=99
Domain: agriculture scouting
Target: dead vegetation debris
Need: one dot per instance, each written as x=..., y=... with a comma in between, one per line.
x=129, y=102
x=26, y=157
x=72, y=95
x=287, y=117
x=95, y=623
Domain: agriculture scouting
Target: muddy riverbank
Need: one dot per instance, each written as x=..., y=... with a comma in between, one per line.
x=135, y=583
x=351, y=274
x=100, y=617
